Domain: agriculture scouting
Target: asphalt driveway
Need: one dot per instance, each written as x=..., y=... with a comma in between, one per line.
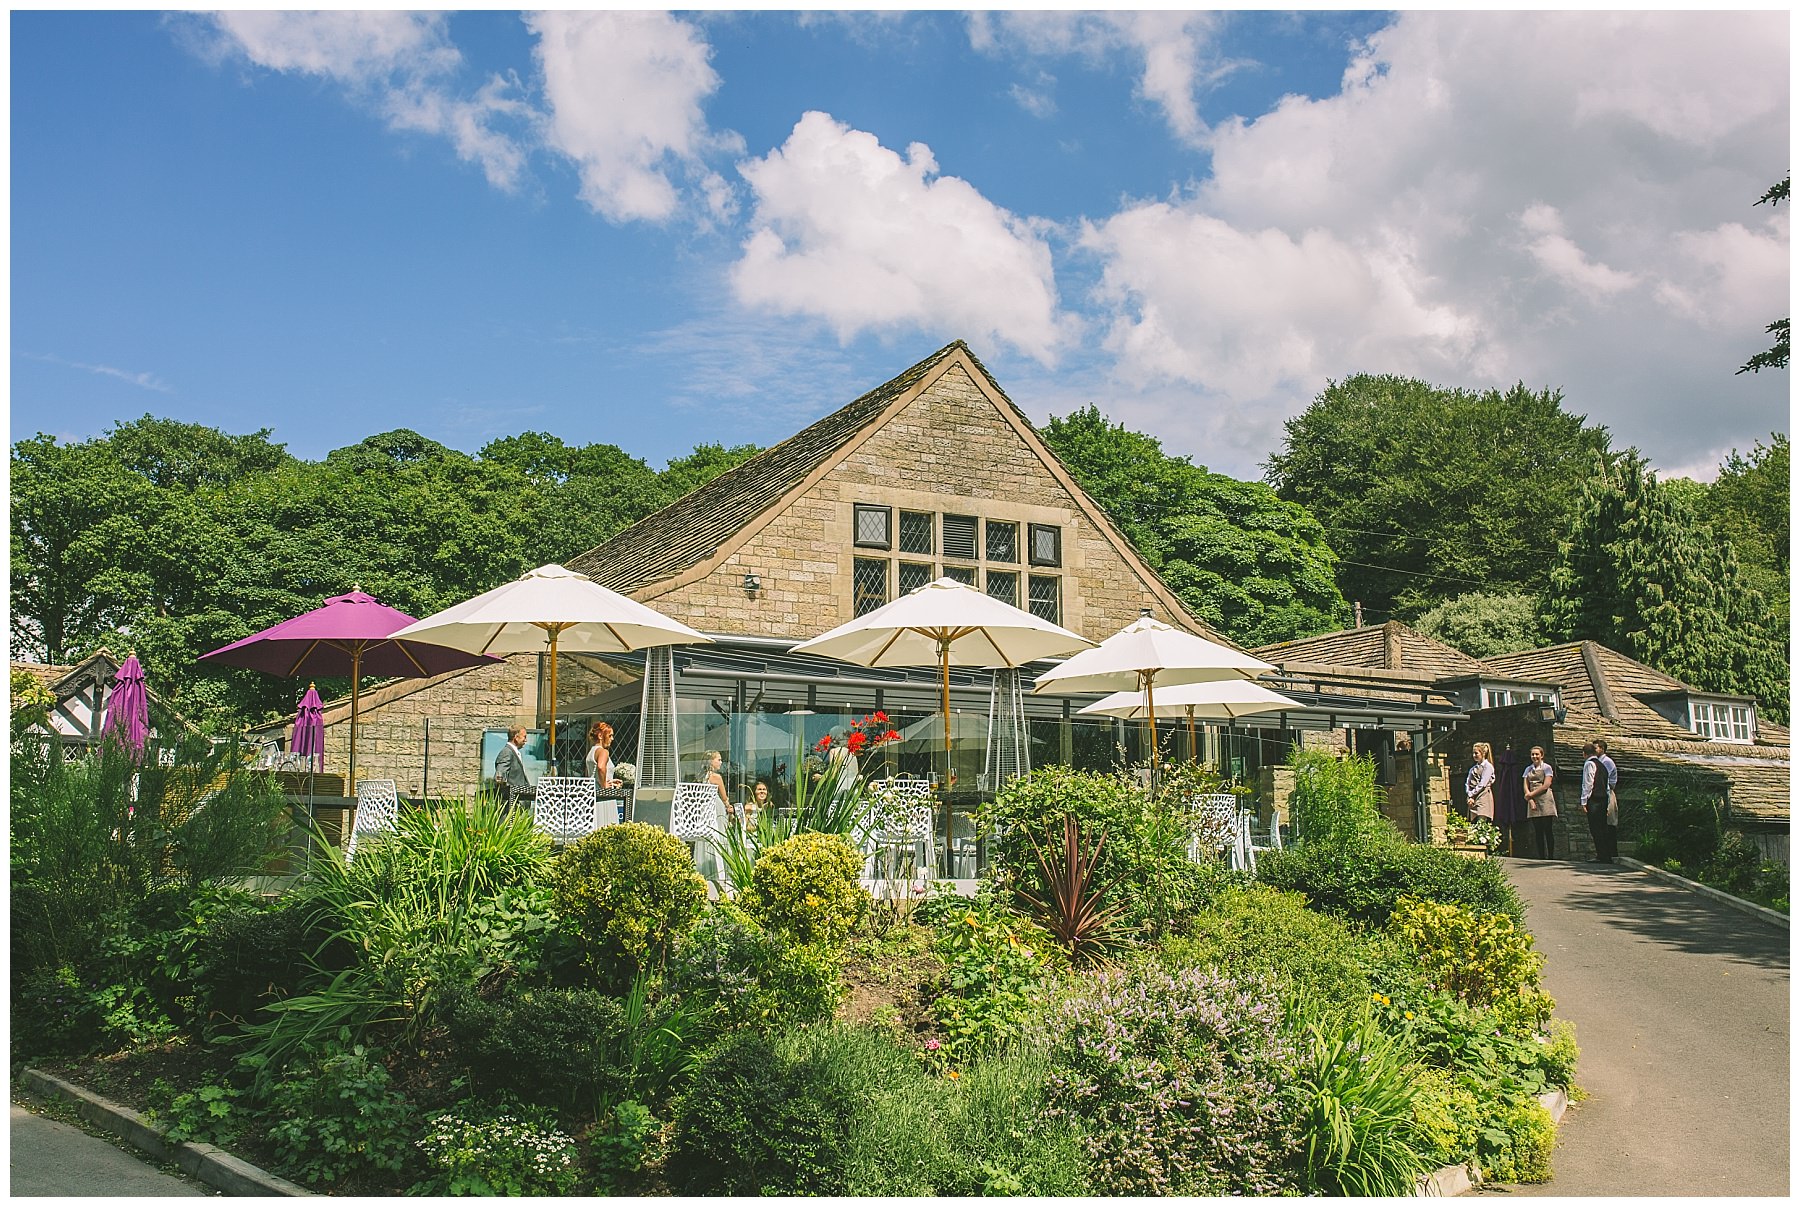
x=1681, y=1011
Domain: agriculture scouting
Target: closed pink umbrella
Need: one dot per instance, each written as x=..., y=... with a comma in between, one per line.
x=127, y=719
x=348, y=635
x=309, y=729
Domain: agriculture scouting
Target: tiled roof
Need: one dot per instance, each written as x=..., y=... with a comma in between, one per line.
x=1753, y=779
x=1425, y=656
x=687, y=531
x=47, y=673
x=1625, y=680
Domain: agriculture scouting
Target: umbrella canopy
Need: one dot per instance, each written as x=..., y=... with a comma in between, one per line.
x=309, y=728
x=128, y=707
x=928, y=732
x=1143, y=654
x=547, y=606
x=352, y=635
x=1222, y=700
x=945, y=622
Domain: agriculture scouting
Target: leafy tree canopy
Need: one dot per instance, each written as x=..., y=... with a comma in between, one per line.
x=1748, y=506
x=1427, y=492
x=1483, y=625
x=1776, y=355
x=1251, y=565
x=1641, y=574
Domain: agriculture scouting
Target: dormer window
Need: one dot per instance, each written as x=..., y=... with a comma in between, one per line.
x=1721, y=721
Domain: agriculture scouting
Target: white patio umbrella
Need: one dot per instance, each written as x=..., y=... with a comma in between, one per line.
x=1222, y=700
x=945, y=623
x=1141, y=655
x=927, y=732
x=546, y=607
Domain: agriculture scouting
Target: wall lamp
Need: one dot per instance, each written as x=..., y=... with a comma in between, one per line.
x=752, y=583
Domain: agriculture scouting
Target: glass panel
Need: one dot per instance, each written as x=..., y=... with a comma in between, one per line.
x=1004, y=585
x=1740, y=724
x=1002, y=541
x=872, y=524
x=959, y=536
x=916, y=531
x=1046, y=597
x=913, y=575
x=869, y=584
x=1046, y=545
x=962, y=574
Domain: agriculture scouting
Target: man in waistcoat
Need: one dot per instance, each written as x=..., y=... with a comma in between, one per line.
x=1596, y=802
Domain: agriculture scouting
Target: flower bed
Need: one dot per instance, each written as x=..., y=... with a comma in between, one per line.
x=465, y=1010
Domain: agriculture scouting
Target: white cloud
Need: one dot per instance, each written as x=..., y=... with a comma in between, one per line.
x=1559, y=198
x=1176, y=52
x=142, y=380
x=399, y=63
x=625, y=91
x=853, y=233
x=1039, y=99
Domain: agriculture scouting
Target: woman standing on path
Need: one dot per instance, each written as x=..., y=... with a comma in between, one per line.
x=1540, y=802
x=1480, y=784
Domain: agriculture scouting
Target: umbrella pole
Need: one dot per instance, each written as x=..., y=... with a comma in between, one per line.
x=944, y=665
x=554, y=769
x=355, y=703
x=1193, y=747
x=1150, y=704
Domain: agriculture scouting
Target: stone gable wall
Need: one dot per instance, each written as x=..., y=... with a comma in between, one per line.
x=949, y=450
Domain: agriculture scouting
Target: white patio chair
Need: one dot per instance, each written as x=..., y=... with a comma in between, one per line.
x=565, y=807
x=697, y=816
x=903, y=818
x=963, y=848
x=377, y=813
x=1260, y=838
x=1218, y=828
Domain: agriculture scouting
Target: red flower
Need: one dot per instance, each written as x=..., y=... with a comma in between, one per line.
x=879, y=718
x=892, y=735
x=824, y=743
x=857, y=741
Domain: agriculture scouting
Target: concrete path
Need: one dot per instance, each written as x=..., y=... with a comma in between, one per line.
x=1681, y=1011
x=51, y=1158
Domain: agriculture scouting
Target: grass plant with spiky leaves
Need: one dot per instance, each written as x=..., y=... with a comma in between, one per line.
x=1073, y=908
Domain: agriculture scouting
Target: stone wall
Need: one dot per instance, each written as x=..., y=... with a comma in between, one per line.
x=950, y=450
x=390, y=740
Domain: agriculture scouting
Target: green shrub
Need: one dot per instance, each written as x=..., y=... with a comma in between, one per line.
x=808, y=889
x=1337, y=802
x=627, y=892
x=53, y=1014
x=1356, y=1095
x=1175, y=1083
x=623, y=1142
x=210, y=1113
x=752, y=976
x=1516, y=1147
x=252, y=954
x=1558, y=1055
x=1681, y=820
x=450, y=897
x=472, y=1150
x=1484, y=959
x=1364, y=881
x=545, y=1045
x=998, y=966
x=1446, y=1117
x=980, y=1133
x=337, y=1115
x=1260, y=933
x=1143, y=866
x=777, y=1115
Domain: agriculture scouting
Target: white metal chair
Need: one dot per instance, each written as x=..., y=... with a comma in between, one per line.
x=963, y=847
x=565, y=807
x=377, y=813
x=697, y=815
x=1218, y=828
x=1257, y=838
x=903, y=818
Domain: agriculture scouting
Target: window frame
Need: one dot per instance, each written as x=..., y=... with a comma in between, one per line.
x=856, y=596
x=1054, y=531
x=931, y=541
x=858, y=511
x=1031, y=601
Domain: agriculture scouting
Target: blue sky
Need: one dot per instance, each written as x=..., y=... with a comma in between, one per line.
x=662, y=229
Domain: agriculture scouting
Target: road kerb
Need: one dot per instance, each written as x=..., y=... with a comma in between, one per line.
x=1762, y=912
x=212, y=1165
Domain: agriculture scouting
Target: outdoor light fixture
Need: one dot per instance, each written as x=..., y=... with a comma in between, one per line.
x=752, y=583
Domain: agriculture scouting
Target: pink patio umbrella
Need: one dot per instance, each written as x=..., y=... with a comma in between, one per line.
x=309, y=729
x=348, y=635
x=127, y=718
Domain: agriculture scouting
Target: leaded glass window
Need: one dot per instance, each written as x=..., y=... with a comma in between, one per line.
x=1002, y=541
x=917, y=529
x=1004, y=586
x=874, y=526
x=869, y=584
x=1046, y=597
x=914, y=575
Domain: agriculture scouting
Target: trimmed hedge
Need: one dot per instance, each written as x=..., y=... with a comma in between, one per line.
x=1364, y=881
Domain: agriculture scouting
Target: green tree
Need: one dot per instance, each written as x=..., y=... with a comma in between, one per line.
x=1483, y=625
x=1776, y=357
x=1748, y=506
x=579, y=495
x=1251, y=565
x=1640, y=574
x=1427, y=492
x=706, y=462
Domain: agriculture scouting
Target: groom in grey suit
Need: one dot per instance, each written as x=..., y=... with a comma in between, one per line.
x=509, y=769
